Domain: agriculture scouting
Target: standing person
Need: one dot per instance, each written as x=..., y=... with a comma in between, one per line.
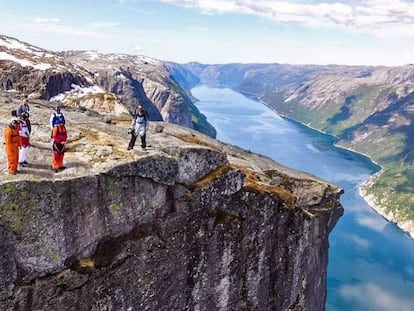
x=12, y=142
x=25, y=108
x=59, y=135
x=56, y=116
x=24, y=134
x=139, y=127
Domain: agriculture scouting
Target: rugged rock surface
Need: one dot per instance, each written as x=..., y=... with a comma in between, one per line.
x=188, y=224
x=106, y=83
x=139, y=79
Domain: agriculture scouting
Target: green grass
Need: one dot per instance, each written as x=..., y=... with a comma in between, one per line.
x=351, y=121
x=381, y=147
x=394, y=190
x=322, y=116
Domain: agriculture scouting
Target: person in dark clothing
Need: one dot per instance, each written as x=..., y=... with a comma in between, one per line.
x=139, y=127
x=24, y=109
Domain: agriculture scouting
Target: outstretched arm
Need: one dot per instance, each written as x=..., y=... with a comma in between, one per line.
x=51, y=121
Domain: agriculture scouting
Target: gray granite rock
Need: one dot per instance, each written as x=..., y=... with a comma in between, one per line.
x=190, y=223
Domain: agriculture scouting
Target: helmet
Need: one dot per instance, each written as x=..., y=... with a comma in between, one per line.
x=14, y=122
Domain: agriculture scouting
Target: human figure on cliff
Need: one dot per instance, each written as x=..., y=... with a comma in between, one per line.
x=25, y=109
x=59, y=136
x=56, y=116
x=139, y=127
x=12, y=143
x=24, y=134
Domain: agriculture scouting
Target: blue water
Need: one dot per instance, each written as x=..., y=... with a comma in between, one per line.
x=371, y=261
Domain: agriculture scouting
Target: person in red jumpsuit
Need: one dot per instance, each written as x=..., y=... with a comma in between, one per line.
x=59, y=135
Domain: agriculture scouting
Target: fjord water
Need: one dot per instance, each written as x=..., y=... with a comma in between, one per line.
x=371, y=261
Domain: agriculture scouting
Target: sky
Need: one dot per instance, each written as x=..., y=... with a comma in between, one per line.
x=349, y=32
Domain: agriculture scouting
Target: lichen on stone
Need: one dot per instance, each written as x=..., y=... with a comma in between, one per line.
x=115, y=209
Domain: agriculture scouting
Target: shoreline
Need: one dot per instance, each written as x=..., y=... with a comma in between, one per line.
x=407, y=227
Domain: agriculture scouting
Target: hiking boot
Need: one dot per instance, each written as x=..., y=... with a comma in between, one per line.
x=129, y=148
x=25, y=162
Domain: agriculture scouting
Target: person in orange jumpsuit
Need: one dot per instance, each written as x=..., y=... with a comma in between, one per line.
x=59, y=136
x=12, y=143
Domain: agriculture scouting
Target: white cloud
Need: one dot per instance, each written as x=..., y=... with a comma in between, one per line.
x=361, y=242
x=375, y=222
x=40, y=20
x=53, y=25
x=100, y=25
x=137, y=49
x=366, y=14
x=373, y=297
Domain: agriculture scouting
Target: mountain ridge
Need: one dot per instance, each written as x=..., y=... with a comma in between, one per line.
x=106, y=83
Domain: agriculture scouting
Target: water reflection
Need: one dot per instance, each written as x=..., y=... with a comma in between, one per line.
x=370, y=260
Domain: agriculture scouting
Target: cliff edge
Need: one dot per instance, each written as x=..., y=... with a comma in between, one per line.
x=188, y=224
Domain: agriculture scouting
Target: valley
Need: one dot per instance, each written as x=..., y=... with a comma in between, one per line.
x=369, y=110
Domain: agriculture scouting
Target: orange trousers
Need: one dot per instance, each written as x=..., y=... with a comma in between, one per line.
x=12, y=152
x=57, y=160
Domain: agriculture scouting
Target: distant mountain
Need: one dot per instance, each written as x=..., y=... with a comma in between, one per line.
x=107, y=83
x=369, y=109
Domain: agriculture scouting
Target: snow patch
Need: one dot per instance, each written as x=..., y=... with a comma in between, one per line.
x=121, y=76
x=23, y=62
x=78, y=92
x=291, y=97
x=14, y=44
x=92, y=55
x=7, y=56
x=42, y=66
x=44, y=55
x=89, y=79
x=146, y=59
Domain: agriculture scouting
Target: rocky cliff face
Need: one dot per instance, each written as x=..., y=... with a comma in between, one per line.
x=138, y=79
x=37, y=73
x=106, y=83
x=188, y=224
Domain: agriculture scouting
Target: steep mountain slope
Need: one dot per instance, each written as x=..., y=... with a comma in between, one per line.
x=369, y=109
x=37, y=73
x=111, y=84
